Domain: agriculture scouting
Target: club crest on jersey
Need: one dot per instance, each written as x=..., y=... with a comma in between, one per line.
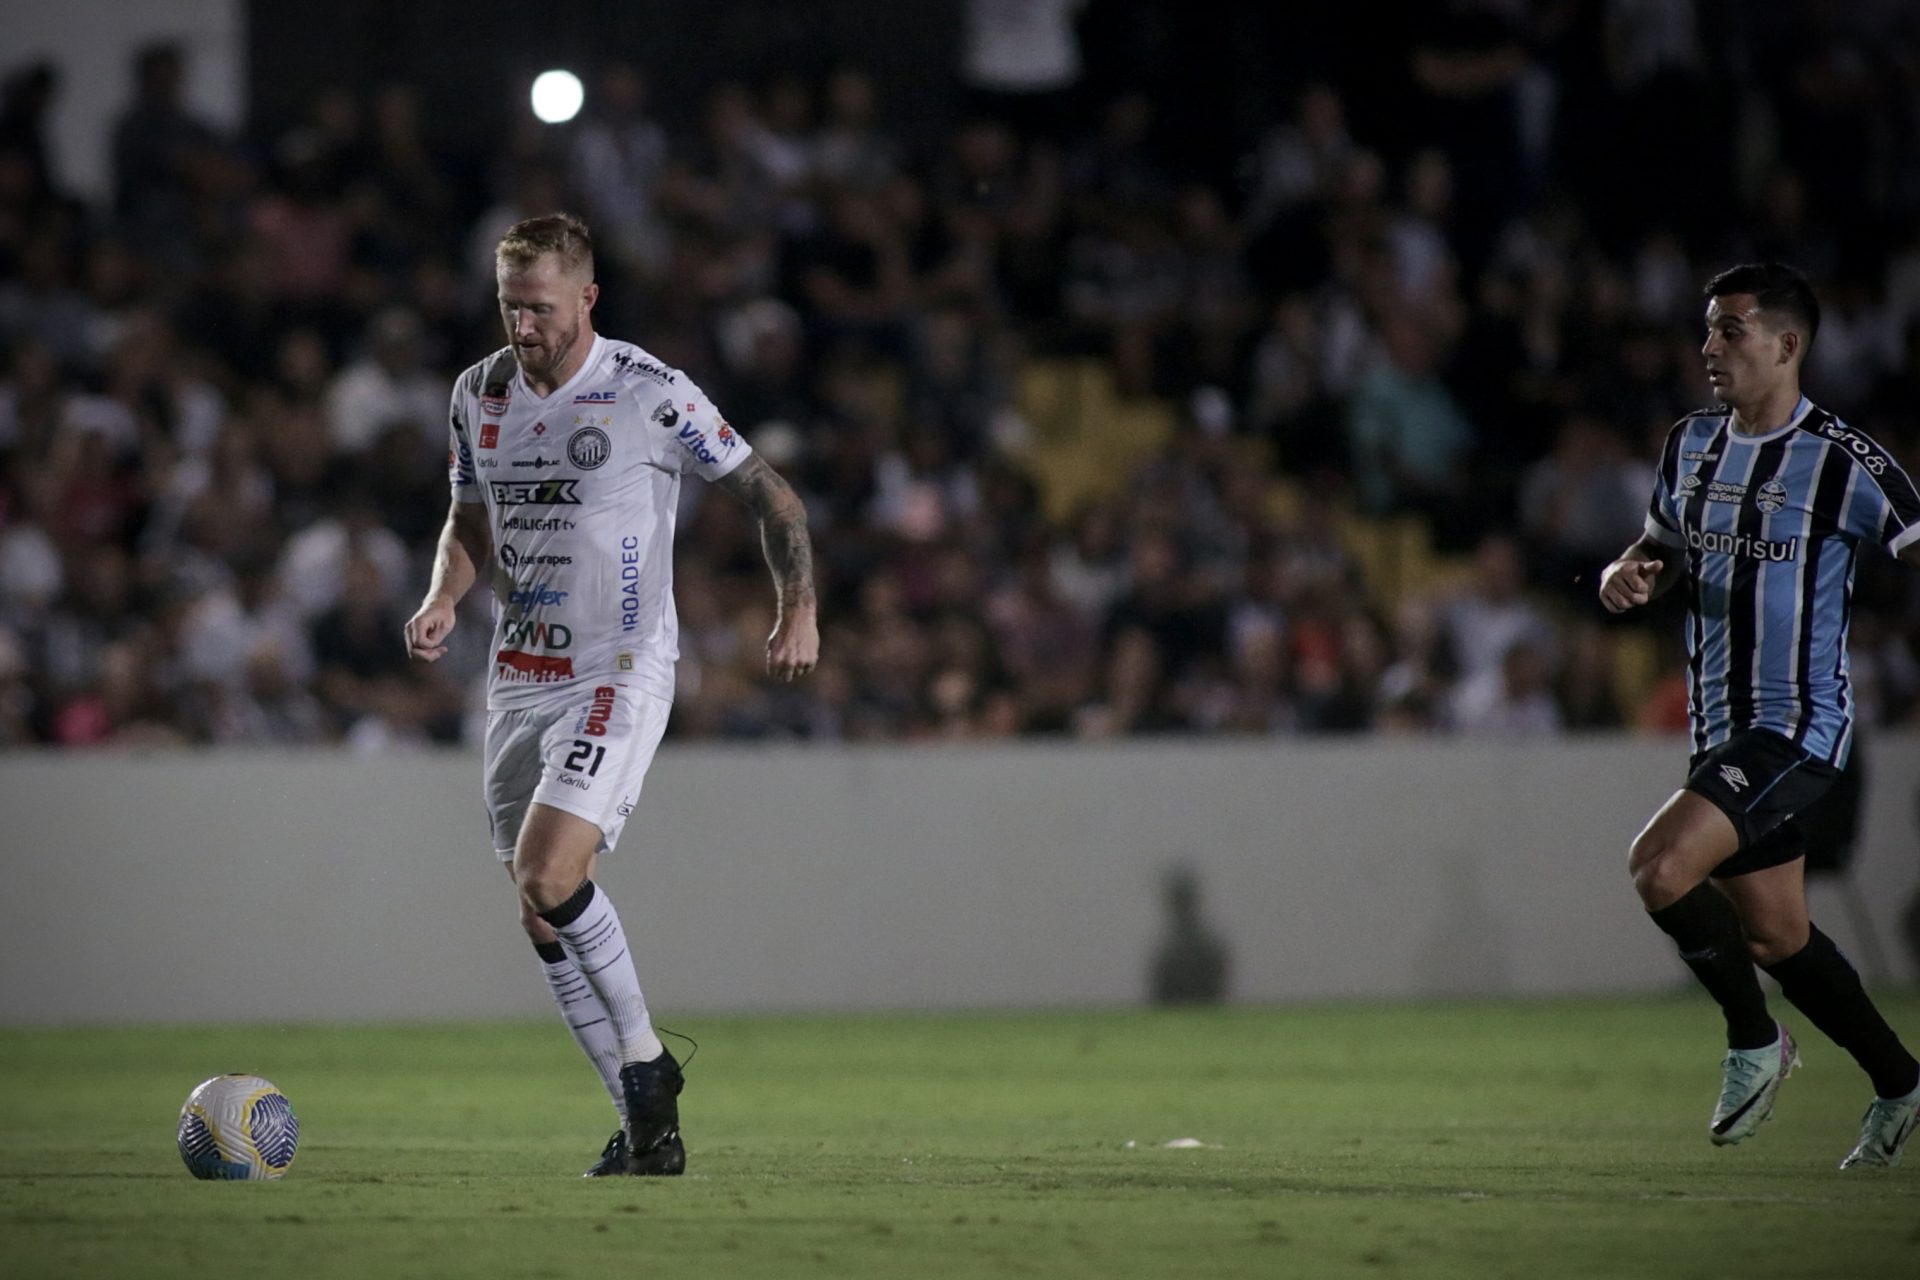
x=495, y=399
x=597, y=397
x=666, y=415
x=1771, y=496
x=588, y=447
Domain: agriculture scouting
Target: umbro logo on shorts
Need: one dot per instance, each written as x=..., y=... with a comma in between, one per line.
x=1733, y=777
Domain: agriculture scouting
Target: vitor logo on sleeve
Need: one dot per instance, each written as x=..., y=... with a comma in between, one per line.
x=695, y=443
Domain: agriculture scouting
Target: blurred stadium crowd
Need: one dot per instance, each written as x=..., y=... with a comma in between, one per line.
x=1096, y=441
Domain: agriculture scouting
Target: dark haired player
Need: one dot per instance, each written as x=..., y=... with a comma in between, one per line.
x=1760, y=505
x=568, y=449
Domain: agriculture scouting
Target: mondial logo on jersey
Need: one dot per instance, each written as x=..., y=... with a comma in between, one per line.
x=536, y=493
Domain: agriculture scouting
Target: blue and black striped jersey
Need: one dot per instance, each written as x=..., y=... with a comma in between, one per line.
x=1770, y=525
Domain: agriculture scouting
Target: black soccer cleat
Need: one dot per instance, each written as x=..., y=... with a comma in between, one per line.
x=652, y=1088
x=613, y=1160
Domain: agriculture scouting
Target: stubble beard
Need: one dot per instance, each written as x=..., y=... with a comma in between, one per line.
x=555, y=354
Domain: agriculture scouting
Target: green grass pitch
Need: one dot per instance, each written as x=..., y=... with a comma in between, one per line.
x=1526, y=1139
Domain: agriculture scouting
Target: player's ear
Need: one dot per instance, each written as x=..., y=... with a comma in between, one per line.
x=590, y=295
x=1789, y=347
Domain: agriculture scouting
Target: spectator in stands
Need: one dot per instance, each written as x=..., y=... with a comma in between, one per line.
x=1512, y=700
x=158, y=147
x=1491, y=615
x=386, y=386
x=850, y=146
x=1408, y=436
x=1575, y=502
x=618, y=157
x=1374, y=318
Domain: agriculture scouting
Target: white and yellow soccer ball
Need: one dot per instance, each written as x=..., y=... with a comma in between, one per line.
x=238, y=1127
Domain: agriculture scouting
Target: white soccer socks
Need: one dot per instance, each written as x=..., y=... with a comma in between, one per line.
x=585, y=1016
x=589, y=929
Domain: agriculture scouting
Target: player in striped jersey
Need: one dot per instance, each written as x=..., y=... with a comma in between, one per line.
x=1760, y=506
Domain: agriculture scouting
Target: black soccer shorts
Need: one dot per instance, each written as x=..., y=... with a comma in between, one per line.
x=1761, y=781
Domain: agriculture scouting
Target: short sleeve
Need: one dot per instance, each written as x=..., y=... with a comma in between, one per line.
x=460, y=472
x=703, y=443
x=1663, y=513
x=1873, y=515
x=1882, y=504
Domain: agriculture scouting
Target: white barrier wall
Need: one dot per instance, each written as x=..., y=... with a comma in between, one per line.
x=321, y=886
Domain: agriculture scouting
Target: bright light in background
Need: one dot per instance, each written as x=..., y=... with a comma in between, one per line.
x=557, y=96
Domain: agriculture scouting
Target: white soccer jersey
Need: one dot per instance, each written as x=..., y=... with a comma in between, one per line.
x=581, y=489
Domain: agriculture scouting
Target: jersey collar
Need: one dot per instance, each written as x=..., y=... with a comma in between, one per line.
x=1800, y=411
x=591, y=362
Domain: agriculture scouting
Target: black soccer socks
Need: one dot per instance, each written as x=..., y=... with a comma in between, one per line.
x=1707, y=931
x=1825, y=987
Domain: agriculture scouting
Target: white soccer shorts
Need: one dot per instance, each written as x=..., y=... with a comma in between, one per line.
x=587, y=753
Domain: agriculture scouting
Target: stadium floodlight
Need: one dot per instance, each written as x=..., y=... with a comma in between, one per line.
x=557, y=96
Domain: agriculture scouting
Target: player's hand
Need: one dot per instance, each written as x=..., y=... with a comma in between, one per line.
x=794, y=647
x=427, y=631
x=1628, y=583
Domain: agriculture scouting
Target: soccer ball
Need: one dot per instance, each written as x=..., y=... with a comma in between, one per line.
x=238, y=1127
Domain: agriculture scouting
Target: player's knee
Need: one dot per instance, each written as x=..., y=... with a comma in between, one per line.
x=1769, y=947
x=542, y=889
x=1660, y=876
x=1646, y=851
x=536, y=928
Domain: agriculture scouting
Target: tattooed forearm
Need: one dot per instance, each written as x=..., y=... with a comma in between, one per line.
x=783, y=528
x=789, y=555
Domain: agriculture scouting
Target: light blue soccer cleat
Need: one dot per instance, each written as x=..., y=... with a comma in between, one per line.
x=1753, y=1077
x=1884, y=1131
